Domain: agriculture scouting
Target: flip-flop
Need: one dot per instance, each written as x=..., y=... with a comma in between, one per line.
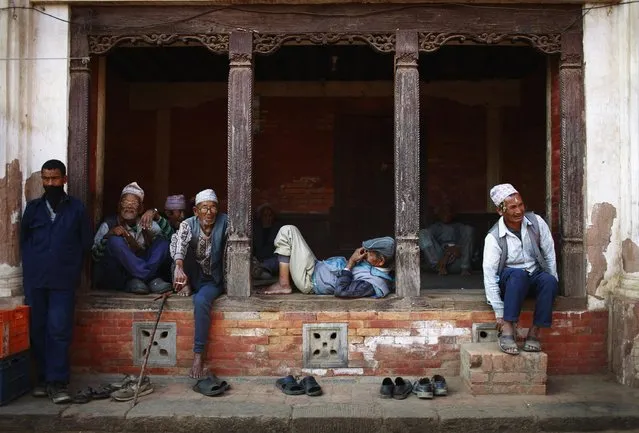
x=532, y=344
x=507, y=342
x=102, y=392
x=289, y=386
x=311, y=387
x=211, y=386
x=83, y=396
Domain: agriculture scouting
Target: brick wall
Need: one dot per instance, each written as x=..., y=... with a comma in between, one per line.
x=380, y=343
x=295, y=147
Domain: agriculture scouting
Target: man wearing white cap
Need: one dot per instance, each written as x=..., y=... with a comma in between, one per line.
x=519, y=259
x=366, y=273
x=129, y=254
x=198, y=251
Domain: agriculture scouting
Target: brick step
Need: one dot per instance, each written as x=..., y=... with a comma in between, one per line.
x=485, y=369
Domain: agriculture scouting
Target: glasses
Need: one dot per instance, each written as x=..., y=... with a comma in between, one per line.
x=129, y=203
x=205, y=209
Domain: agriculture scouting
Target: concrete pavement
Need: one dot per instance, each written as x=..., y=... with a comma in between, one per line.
x=349, y=404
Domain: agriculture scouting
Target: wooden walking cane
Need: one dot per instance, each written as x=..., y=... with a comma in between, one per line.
x=164, y=297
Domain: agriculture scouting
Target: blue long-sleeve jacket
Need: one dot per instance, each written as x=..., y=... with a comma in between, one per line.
x=53, y=251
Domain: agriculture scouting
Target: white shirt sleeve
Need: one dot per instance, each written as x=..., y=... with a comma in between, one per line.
x=492, y=254
x=180, y=242
x=99, y=235
x=547, y=246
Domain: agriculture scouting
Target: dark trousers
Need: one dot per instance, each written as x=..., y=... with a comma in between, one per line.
x=205, y=290
x=517, y=284
x=120, y=264
x=51, y=318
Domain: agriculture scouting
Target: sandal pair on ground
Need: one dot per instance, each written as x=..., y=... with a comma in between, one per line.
x=308, y=385
x=423, y=388
x=508, y=344
x=211, y=386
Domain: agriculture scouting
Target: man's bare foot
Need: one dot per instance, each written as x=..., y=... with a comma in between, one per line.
x=466, y=272
x=185, y=291
x=277, y=289
x=196, y=370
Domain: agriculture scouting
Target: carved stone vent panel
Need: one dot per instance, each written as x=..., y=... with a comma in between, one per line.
x=164, y=347
x=484, y=333
x=325, y=345
x=546, y=43
x=101, y=44
x=268, y=43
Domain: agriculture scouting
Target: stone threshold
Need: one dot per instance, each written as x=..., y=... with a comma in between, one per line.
x=456, y=300
x=573, y=403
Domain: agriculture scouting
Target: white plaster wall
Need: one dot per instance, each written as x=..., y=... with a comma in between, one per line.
x=611, y=42
x=49, y=89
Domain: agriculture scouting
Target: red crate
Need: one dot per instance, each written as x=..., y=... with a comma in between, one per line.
x=14, y=330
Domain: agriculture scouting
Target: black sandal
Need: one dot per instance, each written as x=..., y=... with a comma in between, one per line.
x=83, y=396
x=289, y=386
x=311, y=387
x=102, y=392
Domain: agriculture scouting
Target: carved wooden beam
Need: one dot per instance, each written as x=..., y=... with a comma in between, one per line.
x=268, y=43
x=102, y=44
x=548, y=44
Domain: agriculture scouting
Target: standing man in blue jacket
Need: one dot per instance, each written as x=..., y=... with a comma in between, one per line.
x=55, y=235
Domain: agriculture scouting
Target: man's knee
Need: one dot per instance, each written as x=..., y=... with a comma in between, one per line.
x=116, y=243
x=548, y=283
x=515, y=277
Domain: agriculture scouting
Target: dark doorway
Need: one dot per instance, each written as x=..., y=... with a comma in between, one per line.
x=364, y=180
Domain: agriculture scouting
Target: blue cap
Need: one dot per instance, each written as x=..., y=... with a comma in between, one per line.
x=385, y=246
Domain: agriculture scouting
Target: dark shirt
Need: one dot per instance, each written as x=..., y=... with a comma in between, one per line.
x=347, y=288
x=263, y=239
x=53, y=251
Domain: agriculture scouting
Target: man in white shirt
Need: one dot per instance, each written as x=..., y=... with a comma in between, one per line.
x=519, y=258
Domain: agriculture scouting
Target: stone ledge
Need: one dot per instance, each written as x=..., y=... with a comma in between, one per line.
x=460, y=300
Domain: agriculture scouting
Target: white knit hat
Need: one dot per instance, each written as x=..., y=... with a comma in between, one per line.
x=205, y=195
x=501, y=192
x=134, y=189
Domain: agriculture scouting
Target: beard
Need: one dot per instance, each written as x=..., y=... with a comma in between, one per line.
x=54, y=194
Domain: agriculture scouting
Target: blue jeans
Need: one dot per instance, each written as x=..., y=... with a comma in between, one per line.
x=204, y=293
x=120, y=264
x=51, y=320
x=516, y=284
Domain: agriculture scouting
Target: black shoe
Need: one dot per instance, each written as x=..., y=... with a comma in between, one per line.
x=423, y=388
x=386, y=390
x=59, y=393
x=40, y=390
x=402, y=389
x=159, y=286
x=137, y=286
x=440, y=388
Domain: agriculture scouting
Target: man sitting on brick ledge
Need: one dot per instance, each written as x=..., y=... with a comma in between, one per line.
x=519, y=255
x=366, y=273
x=198, y=251
x=130, y=251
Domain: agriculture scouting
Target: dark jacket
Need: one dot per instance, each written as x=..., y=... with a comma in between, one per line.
x=53, y=251
x=263, y=240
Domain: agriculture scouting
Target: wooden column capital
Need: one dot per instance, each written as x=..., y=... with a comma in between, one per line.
x=407, y=197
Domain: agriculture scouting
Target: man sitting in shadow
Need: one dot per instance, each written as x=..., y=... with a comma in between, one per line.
x=447, y=246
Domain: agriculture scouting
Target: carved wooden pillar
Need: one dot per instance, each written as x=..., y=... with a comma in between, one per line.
x=407, y=196
x=78, y=145
x=571, y=82
x=240, y=141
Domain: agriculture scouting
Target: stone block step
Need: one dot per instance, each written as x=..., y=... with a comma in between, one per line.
x=485, y=369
